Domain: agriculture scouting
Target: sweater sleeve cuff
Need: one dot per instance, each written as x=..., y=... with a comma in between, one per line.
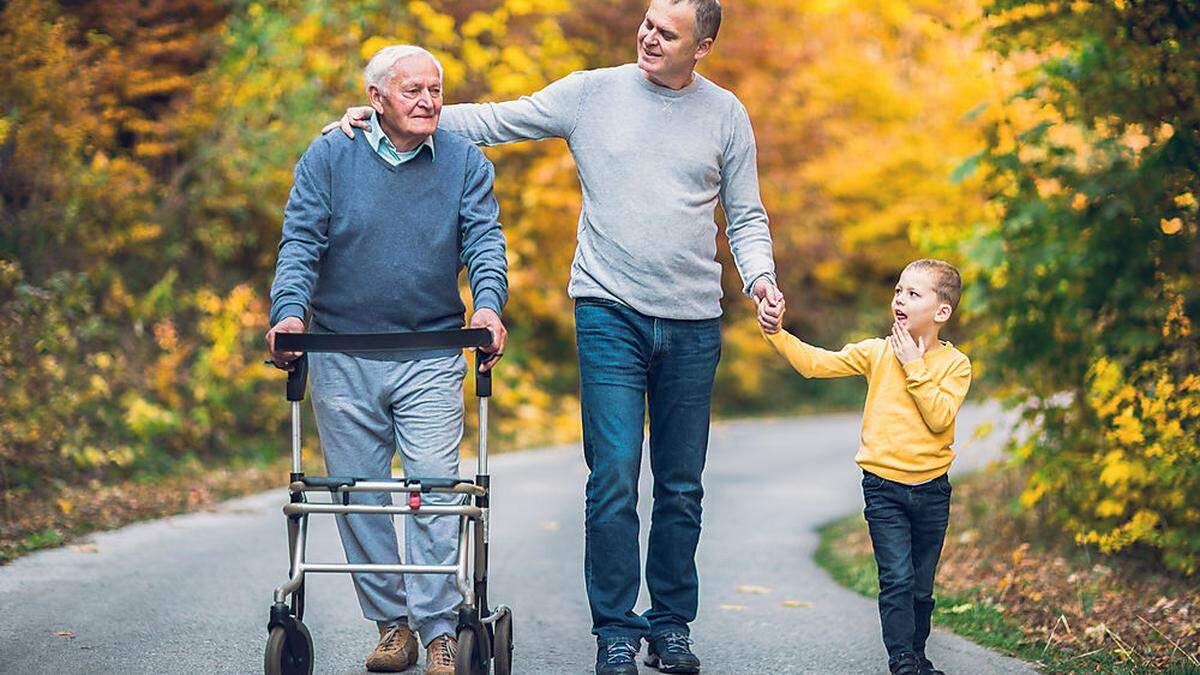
x=289, y=309
x=915, y=370
x=749, y=289
x=489, y=299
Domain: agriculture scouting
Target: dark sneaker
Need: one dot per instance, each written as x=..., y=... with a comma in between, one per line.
x=616, y=657
x=672, y=653
x=907, y=664
x=926, y=667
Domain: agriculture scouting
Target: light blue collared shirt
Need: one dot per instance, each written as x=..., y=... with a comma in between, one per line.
x=387, y=150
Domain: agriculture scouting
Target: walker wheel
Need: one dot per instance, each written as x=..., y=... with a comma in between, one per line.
x=466, y=662
x=502, y=644
x=289, y=653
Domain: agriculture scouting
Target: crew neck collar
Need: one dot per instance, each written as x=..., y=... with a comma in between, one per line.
x=660, y=90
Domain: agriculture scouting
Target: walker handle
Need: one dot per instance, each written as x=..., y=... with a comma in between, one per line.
x=297, y=378
x=483, y=378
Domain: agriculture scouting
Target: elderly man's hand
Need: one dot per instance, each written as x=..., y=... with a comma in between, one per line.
x=356, y=116
x=487, y=318
x=289, y=324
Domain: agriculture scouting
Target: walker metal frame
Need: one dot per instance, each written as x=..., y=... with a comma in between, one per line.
x=484, y=635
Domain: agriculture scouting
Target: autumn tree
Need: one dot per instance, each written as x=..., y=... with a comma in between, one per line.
x=1088, y=280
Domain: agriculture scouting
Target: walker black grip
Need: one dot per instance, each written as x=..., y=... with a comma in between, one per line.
x=383, y=342
x=297, y=378
x=483, y=378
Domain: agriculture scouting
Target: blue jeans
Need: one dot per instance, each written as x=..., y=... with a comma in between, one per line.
x=907, y=525
x=628, y=360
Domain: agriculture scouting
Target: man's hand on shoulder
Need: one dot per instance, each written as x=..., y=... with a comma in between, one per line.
x=290, y=324
x=771, y=305
x=489, y=319
x=356, y=116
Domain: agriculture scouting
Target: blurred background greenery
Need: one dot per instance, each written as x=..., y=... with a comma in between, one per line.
x=1048, y=148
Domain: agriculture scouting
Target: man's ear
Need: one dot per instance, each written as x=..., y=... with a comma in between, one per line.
x=703, y=48
x=376, y=98
x=942, y=313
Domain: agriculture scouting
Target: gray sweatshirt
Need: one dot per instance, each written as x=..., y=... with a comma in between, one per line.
x=652, y=162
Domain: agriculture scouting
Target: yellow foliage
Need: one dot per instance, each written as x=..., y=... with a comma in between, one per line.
x=1109, y=507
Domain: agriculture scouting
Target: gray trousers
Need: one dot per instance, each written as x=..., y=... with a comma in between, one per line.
x=365, y=410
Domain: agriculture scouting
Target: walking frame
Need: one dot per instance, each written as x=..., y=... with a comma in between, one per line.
x=484, y=636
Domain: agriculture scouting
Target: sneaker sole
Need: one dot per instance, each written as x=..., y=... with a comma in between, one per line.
x=635, y=667
x=658, y=665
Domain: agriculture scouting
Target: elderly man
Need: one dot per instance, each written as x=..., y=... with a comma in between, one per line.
x=656, y=146
x=375, y=233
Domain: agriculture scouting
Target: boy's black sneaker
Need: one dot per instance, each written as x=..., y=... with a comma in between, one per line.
x=616, y=657
x=671, y=653
x=926, y=666
x=907, y=664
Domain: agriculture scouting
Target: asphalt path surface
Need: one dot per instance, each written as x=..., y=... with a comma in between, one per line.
x=190, y=594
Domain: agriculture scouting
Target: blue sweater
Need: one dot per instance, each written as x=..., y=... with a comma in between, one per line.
x=371, y=247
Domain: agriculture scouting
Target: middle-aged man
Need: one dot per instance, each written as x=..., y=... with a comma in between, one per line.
x=375, y=233
x=656, y=146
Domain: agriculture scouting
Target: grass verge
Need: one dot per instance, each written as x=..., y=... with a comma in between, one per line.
x=1029, y=594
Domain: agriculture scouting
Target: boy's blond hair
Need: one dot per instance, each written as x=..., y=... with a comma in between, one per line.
x=947, y=282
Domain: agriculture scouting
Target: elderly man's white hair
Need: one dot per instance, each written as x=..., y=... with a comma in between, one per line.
x=378, y=72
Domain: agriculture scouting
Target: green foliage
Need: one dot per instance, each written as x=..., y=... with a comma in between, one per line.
x=123, y=348
x=1087, y=281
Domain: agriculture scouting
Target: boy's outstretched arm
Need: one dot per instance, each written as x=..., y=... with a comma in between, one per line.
x=810, y=361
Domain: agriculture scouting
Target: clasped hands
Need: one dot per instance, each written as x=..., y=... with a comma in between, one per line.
x=771, y=307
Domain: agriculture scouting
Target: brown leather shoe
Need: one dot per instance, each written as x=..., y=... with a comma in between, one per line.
x=396, y=651
x=439, y=658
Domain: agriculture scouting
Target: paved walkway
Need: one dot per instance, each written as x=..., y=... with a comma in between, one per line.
x=190, y=594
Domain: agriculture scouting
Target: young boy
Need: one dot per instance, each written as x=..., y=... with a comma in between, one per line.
x=916, y=384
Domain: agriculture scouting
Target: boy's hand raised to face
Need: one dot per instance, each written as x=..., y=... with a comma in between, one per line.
x=905, y=348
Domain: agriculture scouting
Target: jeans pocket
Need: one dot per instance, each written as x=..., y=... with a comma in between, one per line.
x=943, y=485
x=871, y=482
x=597, y=302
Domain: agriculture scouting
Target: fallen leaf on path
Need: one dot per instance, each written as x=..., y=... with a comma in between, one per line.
x=551, y=526
x=85, y=548
x=797, y=603
x=733, y=608
x=64, y=633
x=755, y=590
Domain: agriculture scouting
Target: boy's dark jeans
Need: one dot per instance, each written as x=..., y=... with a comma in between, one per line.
x=628, y=361
x=908, y=525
